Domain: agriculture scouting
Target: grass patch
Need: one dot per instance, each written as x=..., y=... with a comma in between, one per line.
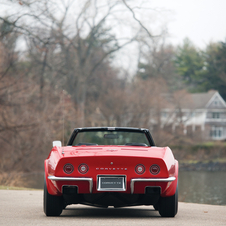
x=220, y=160
x=15, y=188
x=192, y=161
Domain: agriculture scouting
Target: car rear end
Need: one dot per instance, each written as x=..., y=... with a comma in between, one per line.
x=112, y=167
x=114, y=173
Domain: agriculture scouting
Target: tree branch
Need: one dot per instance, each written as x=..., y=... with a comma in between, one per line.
x=134, y=16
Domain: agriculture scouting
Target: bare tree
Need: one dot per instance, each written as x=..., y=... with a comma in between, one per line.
x=84, y=39
x=68, y=45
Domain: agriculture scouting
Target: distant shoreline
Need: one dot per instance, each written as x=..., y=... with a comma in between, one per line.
x=202, y=166
x=201, y=157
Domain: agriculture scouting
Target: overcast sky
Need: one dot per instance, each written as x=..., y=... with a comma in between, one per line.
x=201, y=21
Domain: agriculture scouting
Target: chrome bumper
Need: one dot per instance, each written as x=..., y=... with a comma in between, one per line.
x=169, y=179
x=90, y=180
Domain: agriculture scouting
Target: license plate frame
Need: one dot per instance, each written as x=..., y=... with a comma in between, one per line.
x=111, y=183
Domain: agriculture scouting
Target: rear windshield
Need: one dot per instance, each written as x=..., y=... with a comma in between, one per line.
x=110, y=138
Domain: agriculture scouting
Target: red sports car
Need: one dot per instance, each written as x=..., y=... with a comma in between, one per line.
x=111, y=166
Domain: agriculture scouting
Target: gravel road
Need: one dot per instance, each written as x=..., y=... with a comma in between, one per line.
x=24, y=207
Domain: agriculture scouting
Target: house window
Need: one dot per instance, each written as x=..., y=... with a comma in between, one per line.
x=215, y=115
x=216, y=132
x=164, y=114
x=216, y=102
x=192, y=114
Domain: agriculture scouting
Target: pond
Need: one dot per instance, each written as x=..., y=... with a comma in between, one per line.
x=203, y=187
x=194, y=186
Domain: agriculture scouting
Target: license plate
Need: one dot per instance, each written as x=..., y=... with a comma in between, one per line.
x=111, y=184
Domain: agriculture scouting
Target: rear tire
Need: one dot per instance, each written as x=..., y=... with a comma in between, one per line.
x=168, y=206
x=53, y=205
x=156, y=206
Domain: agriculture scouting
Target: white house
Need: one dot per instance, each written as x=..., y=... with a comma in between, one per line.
x=203, y=113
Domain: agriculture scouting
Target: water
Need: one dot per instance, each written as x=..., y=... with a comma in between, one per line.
x=203, y=187
x=194, y=186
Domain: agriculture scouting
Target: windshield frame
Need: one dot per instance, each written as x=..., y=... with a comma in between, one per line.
x=109, y=129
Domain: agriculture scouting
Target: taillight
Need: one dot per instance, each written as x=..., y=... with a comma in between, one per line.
x=139, y=169
x=68, y=168
x=83, y=168
x=154, y=169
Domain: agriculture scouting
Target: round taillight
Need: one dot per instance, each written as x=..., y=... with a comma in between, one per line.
x=139, y=169
x=83, y=168
x=154, y=169
x=68, y=168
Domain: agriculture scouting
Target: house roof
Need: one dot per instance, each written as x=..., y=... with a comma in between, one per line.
x=200, y=100
x=197, y=100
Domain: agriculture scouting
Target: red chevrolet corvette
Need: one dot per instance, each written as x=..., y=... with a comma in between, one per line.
x=111, y=166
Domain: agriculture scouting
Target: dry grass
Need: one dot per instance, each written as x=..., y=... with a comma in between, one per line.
x=15, y=188
x=12, y=179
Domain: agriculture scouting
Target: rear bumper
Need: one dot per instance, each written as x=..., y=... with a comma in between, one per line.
x=132, y=182
x=169, y=179
x=89, y=180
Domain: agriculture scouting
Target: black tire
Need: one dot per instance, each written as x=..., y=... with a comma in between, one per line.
x=53, y=205
x=156, y=206
x=168, y=206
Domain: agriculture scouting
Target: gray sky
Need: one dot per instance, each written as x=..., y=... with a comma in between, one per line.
x=201, y=21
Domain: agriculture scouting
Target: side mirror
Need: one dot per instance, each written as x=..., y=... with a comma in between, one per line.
x=57, y=143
